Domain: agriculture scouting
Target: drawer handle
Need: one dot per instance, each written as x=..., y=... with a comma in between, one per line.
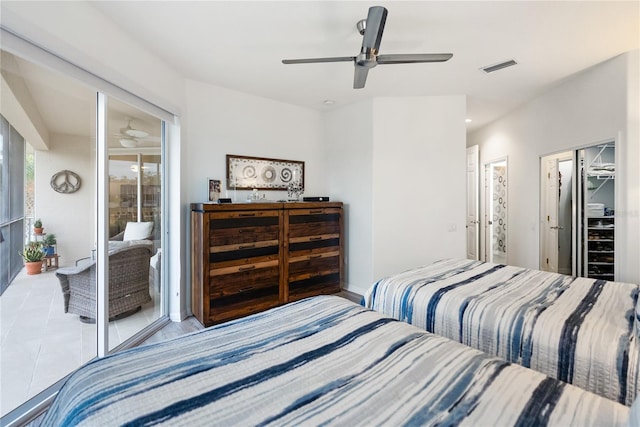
x=315, y=238
x=244, y=289
x=247, y=214
x=247, y=230
x=246, y=247
x=250, y=267
x=314, y=256
x=316, y=212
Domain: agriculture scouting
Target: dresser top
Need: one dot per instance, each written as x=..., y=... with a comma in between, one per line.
x=216, y=207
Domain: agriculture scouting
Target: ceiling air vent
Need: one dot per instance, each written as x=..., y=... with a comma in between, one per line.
x=500, y=66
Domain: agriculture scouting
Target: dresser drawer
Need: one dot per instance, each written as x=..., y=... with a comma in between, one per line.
x=313, y=265
x=314, y=222
x=240, y=255
x=235, y=228
x=243, y=290
x=316, y=285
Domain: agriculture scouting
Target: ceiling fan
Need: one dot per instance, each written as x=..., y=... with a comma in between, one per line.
x=130, y=137
x=372, y=29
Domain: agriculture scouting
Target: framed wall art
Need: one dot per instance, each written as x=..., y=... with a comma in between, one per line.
x=247, y=173
x=214, y=189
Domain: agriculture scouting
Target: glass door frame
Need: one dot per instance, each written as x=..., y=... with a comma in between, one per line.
x=21, y=47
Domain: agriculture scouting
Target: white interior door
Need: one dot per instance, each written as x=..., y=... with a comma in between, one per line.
x=473, y=222
x=495, y=212
x=549, y=258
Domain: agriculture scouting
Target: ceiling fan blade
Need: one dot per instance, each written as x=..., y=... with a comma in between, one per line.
x=413, y=58
x=316, y=60
x=360, y=76
x=374, y=28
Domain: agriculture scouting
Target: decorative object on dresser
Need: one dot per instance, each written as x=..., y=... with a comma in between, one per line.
x=250, y=257
x=214, y=190
x=261, y=173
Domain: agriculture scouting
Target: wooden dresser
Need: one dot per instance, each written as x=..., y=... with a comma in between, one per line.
x=248, y=257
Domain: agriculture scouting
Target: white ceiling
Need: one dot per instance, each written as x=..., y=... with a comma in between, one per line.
x=240, y=45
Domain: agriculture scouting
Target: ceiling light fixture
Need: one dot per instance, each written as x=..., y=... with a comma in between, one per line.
x=328, y=102
x=128, y=143
x=495, y=67
x=468, y=120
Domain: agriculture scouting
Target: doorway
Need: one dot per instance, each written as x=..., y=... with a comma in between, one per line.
x=557, y=228
x=496, y=211
x=577, y=208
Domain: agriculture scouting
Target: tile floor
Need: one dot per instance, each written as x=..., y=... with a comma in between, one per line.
x=41, y=344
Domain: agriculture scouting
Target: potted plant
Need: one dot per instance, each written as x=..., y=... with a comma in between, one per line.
x=33, y=255
x=47, y=244
x=37, y=227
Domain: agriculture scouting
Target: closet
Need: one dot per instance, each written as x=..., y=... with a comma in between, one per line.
x=577, y=199
x=597, y=202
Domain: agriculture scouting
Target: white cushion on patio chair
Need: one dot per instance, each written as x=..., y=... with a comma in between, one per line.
x=137, y=230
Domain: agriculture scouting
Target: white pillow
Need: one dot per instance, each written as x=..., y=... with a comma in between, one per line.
x=137, y=230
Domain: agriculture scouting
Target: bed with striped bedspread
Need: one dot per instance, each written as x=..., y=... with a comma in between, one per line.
x=324, y=360
x=577, y=330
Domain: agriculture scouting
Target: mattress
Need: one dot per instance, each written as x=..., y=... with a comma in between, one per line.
x=320, y=361
x=577, y=330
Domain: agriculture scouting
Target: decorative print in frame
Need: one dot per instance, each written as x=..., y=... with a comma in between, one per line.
x=247, y=173
x=214, y=190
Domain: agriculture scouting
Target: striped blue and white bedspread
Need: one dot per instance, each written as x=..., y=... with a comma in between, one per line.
x=577, y=330
x=325, y=361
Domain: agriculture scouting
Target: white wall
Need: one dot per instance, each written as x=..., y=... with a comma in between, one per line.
x=590, y=107
x=222, y=121
x=349, y=155
x=419, y=180
x=76, y=31
x=398, y=164
x=71, y=217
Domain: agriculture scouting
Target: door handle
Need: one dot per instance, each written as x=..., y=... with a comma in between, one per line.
x=557, y=228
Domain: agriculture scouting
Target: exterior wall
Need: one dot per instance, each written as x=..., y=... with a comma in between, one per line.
x=71, y=217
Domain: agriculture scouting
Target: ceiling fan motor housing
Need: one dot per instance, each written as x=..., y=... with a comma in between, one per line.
x=367, y=60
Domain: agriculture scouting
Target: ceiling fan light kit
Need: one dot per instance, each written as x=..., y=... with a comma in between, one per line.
x=371, y=29
x=134, y=133
x=128, y=143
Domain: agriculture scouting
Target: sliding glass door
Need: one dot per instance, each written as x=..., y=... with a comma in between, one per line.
x=135, y=214
x=103, y=288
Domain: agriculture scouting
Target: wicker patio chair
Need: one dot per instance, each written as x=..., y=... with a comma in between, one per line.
x=128, y=283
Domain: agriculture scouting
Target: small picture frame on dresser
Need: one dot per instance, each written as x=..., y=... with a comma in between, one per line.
x=213, y=190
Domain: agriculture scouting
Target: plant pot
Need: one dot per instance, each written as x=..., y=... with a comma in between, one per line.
x=49, y=250
x=33, y=267
x=38, y=231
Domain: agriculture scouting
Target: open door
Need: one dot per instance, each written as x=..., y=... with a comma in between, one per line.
x=549, y=228
x=557, y=248
x=473, y=222
x=496, y=209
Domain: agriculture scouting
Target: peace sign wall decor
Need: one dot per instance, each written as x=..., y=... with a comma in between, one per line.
x=66, y=182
